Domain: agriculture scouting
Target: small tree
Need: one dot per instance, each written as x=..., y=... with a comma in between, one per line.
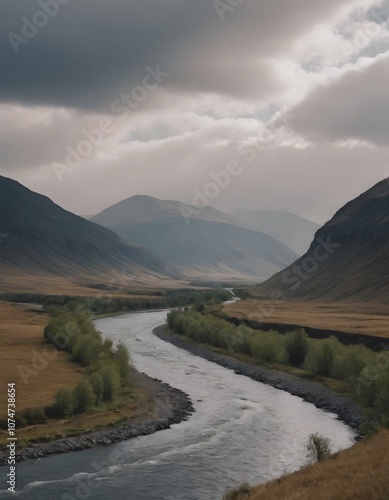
x=84, y=397
x=111, y=383
x=123, y=361
x=96, y=382
x=65, y=403
x=296, y=344
x=321, y=356
x=319, y=447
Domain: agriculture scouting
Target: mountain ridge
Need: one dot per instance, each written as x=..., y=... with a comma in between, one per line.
x=292, y=230
x=209, y=244
x=354, y=265
x=43, y=237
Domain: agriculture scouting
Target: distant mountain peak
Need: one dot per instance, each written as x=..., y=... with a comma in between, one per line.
x=292, y=230
x=201, y=242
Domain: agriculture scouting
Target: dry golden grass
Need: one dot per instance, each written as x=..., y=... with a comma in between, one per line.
x=363, y=318
x=132, y=409
x=21, y=338
x=23, y=282
x=359, y=473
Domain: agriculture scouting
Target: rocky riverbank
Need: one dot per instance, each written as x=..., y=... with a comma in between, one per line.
x=172, y=406
x=312, y=392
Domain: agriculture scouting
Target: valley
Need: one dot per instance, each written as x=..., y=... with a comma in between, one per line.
x=148, y=258
x=194, y=250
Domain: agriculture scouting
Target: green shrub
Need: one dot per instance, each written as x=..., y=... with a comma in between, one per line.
x=321, y=356
x=319, y=448
x=123, y=361
x=86, y=349
x=96, y=381
x=111, y=383
x=83, y=397
x=34, y=416
x=268, y=347
x=350, y=361
x=373, y=388
x=64, y=402
x=297, y=346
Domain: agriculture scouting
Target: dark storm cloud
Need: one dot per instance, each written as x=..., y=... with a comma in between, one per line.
x=92, y=50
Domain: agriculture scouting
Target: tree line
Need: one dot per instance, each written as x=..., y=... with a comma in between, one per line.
x=365, y=371
x=107, y=368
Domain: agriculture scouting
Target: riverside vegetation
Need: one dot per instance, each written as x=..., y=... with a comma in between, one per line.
x=106, y=380
x=99, y=391
x=144, y=300
x=107, y=369
x=364, y=373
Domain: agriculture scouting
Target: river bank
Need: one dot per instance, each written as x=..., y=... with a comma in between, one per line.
x=172, y=406
x=312, y=392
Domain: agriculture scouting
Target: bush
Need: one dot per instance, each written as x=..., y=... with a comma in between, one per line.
x=319, y=447
x=64, y=402
x=297, y=346
x=350, y=361
x=83, y=397
x=267, y=347
x=123, y=362
x=96, y=381
x=373, y=388
x=111, y=383
x=321, y=356
x=34, y=416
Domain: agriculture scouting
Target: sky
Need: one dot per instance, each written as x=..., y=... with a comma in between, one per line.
x=235, y=103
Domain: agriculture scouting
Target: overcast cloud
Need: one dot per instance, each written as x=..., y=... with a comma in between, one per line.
x=203, y=85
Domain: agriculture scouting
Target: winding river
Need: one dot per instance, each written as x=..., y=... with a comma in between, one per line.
x=242, y=431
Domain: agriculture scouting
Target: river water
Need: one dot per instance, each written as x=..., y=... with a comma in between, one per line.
x=242, y=431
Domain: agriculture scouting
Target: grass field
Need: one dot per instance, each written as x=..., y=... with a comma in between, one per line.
x=359, y=473
x=19, y=281
x=21, y=340
x=363, y=318
x=22, y=346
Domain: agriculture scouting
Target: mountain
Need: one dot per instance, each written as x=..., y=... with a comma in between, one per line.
x=201, y=242
x=348, y=258
x=292, y=230
x=142, y=209
x=39, y=237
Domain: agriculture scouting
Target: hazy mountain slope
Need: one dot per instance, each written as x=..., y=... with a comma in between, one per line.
x=202, y=247
x=292, y=230
x=353, y=263
x=39, y=236
x=141, y=209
